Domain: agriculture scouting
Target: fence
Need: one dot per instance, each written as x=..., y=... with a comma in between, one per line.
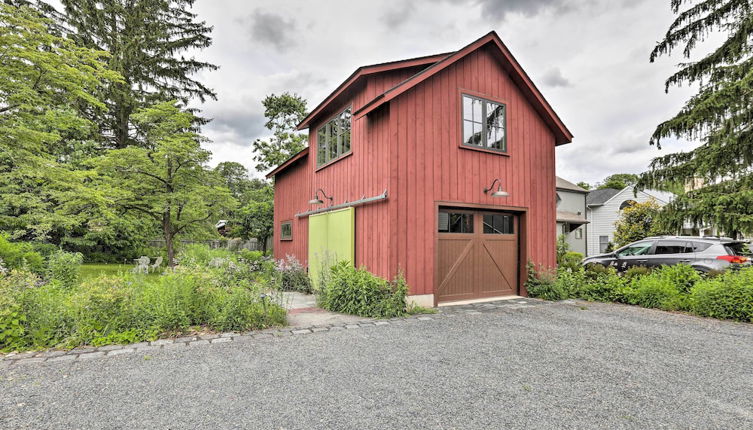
x=231, y=244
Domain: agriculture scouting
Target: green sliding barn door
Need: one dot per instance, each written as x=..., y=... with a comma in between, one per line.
x=332, y=238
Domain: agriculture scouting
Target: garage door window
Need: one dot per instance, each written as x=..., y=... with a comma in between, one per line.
x=499, y=224
x=455, y=222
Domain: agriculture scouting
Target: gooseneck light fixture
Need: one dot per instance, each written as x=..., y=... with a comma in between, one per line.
x=317, y=200
x=500, y=192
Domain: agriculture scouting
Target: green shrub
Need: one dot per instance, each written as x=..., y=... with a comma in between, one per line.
x=636, y=272
x=653, y=291
x=729, y=296
x=682, y=276
x=543, y=284
x=358, y=292
x=127, y=308
x=64, y=267
x=292, y=276
x=20, y=255
x=571, y=261
x=603, y=286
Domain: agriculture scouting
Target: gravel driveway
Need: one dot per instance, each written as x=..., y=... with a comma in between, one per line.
x=546, y=366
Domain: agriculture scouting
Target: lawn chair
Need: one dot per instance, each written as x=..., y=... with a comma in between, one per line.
x=142, y=265
x=156, y=265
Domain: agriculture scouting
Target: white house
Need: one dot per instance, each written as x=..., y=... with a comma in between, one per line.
x=604, y=208
x=571, y=214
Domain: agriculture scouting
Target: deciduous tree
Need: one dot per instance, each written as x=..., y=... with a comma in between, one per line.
x=637, y=221
x=48, y=84
x=283, y=113
x=166, y=180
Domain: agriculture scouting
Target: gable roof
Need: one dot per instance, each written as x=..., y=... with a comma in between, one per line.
x=563, y=184
x=607, y=194
x=599, y=197
x=369, y=70
x=518, y=75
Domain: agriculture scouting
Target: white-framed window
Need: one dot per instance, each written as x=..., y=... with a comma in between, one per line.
x=603, y=244
x=579, y=233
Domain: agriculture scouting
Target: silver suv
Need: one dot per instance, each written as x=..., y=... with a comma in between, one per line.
x=702, y=253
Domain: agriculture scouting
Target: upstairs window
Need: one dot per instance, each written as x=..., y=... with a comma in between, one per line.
x=484, y=124
x=333, y=138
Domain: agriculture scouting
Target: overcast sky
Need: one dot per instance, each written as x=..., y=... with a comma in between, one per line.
x=588, y=57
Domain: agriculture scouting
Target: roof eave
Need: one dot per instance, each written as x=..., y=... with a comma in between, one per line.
x=287, y=163
x=365, y=71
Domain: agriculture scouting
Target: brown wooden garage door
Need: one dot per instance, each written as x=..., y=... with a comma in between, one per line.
x=477, y=254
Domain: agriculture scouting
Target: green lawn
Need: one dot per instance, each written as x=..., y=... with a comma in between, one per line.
x=89, y=271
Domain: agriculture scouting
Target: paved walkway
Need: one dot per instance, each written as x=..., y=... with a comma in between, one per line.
x=303, y=312
x=502, y=365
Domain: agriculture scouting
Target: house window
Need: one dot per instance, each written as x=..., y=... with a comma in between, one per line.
x=455, y=222
x=286, y=230
x=579, y=233
x=484, y=124
x=627, y=203
x=333, y=138
x=603, y=244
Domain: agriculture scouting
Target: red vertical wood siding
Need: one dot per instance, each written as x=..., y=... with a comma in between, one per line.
x=431, y=167
x=410, y=147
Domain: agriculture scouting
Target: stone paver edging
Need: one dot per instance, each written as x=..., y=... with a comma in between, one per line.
x=87, y=353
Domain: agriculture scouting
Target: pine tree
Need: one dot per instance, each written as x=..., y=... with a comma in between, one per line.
x=717, y=176
x=146, y=40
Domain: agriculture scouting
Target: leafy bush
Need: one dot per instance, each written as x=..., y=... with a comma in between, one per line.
x=358, y=292
x=654, y=291
x=64, y=267
x=291, y=276
x=682, y=276
x=603, y=286
x=729, y=296
x=543, y=284
x=636, y=272
x=20, y=255
x=127, y=308
x=570, y=261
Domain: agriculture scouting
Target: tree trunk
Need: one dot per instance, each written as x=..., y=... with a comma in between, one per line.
x=264, y=245
x=169, y=235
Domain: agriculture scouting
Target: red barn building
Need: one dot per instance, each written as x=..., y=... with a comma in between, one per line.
x=448, y=164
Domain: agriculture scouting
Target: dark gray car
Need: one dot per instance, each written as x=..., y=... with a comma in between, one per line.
x=702, y=253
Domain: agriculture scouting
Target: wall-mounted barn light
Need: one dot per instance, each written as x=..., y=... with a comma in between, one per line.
x=500, y=192
x=317, y=200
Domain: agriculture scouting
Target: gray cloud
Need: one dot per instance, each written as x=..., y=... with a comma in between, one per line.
x=395, y=18
x=553, y=78
x=620, y=96
x=272, y=29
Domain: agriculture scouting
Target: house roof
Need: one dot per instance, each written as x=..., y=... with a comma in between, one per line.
x=369, y=70
x=599, y=197
x=563, y=184
x=289, y=162
x=571, y=217
x=509, y=62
